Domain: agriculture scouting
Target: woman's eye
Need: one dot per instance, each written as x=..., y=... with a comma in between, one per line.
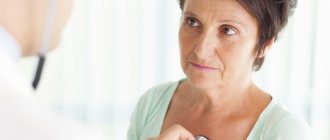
x=228, y=31
x=192, y=22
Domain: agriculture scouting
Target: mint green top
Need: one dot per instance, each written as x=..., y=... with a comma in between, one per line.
x=274, y=123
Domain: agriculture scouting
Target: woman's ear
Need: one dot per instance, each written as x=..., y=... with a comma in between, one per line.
x=268, y=47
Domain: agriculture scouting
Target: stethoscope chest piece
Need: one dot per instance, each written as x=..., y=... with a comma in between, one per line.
x=201, y=138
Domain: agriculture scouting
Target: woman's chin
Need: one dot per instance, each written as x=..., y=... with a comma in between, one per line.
x=202, y=83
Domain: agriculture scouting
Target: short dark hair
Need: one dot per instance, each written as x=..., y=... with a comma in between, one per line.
x=271, y=15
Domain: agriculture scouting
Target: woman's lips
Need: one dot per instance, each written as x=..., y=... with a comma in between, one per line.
x=202, y=67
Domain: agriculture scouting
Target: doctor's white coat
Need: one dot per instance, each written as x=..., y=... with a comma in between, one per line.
x=22, y=117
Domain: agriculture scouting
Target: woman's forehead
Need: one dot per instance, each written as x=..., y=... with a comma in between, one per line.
x=213, y=3
x=217, y=10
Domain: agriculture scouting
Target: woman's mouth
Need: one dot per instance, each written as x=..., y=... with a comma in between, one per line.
x=202, y=67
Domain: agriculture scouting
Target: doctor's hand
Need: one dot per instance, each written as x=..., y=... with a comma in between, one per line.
x=175, y=132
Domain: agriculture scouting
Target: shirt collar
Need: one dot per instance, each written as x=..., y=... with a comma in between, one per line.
x=9, y=44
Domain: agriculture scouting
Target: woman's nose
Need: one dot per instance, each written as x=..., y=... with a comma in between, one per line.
x=205, y=45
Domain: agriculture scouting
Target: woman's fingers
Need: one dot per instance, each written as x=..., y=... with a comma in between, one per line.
x=175, y=132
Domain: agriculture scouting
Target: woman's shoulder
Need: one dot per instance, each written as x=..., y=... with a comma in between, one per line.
x=150, y=110
x=161, y=88
x=282, y=124
x=157, y=97
x=160, y=91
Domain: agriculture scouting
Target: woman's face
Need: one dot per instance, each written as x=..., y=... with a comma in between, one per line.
x=217, y=40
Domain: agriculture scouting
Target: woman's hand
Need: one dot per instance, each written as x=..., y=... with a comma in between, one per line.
x=175, y=132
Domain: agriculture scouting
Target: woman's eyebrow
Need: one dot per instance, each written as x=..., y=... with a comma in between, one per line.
x=232, y=20
x=190, y=13
x=221, y=20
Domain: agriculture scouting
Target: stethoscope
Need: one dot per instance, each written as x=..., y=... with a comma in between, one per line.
x=45, y=42
x=38, y=73
x=200, y=137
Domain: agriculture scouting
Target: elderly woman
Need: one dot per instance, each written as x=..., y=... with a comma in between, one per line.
x=221, y=43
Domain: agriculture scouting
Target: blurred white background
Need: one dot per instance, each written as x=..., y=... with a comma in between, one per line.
x=114, y=50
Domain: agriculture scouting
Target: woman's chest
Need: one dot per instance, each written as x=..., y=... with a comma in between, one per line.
x=213, y=127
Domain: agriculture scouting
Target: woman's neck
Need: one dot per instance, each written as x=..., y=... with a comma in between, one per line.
x=230, y=99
